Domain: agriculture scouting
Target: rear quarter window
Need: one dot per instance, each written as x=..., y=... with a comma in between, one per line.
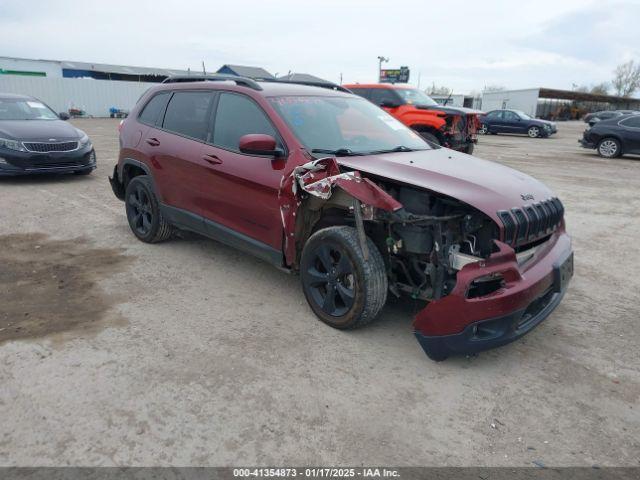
x=152, y=111
x=633, y=122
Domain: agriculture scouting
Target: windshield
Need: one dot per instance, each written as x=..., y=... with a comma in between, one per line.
x=25, y=109
x=414, y=96
x=345, y=125
x=522, y=115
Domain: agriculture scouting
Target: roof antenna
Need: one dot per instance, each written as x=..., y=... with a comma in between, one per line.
x=204, y=72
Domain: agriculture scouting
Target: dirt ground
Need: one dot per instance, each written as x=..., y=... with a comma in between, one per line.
x=114, y=352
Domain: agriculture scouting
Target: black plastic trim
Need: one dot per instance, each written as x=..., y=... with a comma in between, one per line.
x=208, y=228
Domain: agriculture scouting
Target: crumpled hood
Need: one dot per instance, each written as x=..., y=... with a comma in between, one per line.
x=38, y=130
x=485, y=185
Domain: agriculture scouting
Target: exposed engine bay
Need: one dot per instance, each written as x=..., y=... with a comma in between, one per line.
x=430, y=239
x=425, y=238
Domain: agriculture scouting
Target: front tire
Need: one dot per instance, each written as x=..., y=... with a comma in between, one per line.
x=609, y=148
x=143, y=211
x=534, y=132
x=343, y=289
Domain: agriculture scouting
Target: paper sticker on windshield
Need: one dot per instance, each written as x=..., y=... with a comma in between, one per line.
x=36, y=105
x=391, y=122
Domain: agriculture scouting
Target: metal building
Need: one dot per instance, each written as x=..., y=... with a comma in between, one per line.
x=555, y=104
x=93, y=88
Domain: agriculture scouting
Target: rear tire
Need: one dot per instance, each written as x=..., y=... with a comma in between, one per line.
x=609, y=148
x=483, y=130
x=344, y=289
x=143, y=211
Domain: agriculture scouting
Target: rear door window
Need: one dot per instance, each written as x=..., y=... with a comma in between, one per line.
x=152, y=112
x=362, y=92
x=188, y=114
x=380, y=95
x=238, y=115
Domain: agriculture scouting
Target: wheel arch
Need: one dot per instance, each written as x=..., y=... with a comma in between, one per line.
x=615, y=137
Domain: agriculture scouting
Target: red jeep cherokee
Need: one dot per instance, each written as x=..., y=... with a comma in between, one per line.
x=328, y=185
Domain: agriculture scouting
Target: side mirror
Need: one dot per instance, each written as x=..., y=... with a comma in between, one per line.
x=64, y=116
x=259, y=144
x=389, y=104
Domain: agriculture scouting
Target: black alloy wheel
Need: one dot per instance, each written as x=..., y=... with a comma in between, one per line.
x=330, y=280
x=139, y=210
x=143, y=211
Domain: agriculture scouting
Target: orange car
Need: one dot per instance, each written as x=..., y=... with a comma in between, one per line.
x=452, y=127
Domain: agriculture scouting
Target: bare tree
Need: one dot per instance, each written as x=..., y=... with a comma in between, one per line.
x=626, y=79
x=434, y=90
x=600, y=88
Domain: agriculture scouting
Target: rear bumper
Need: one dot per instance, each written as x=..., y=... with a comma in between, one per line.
x=586, y=143
x=457, y=324
x=26, y=163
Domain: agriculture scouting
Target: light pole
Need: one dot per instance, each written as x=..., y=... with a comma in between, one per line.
x=380, y=60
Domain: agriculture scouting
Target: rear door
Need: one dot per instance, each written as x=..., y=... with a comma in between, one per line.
x=242, y=190
x=180, y=170
x=631, y=134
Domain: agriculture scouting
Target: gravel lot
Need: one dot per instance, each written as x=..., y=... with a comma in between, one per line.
x=114, y=352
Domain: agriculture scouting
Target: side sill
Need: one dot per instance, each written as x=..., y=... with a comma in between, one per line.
x=215, y=231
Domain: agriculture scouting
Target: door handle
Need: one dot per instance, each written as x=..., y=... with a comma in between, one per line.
x=154, y=142
x=212, y=159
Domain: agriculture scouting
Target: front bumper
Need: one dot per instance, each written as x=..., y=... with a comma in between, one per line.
x=457, y=324
x=28, y=163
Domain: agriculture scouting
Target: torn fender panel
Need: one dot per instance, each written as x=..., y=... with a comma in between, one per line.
x=322, y=175
x=319, y=178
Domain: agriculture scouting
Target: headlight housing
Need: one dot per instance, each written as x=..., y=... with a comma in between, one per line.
x=84, y=140
x=12, y=145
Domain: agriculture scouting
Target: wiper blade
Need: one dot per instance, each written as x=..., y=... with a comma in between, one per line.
x=399, y=148
x=339, y=152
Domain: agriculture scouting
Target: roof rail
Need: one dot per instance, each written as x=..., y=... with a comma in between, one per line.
x=218, y=77
x=309, y=83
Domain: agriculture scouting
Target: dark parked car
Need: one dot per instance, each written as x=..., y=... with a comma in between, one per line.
x=34, y=139
x=595, y=117
x=614, y=137
x=515, y=121
x=325, y=184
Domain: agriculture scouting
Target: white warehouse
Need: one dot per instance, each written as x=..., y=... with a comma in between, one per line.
x=555, y=104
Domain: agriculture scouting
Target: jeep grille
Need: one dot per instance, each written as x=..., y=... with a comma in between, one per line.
x=530, y=223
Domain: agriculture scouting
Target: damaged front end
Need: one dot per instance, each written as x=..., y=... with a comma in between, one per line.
x=425, y=238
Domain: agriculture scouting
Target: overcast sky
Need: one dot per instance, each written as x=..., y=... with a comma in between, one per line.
x=460, y=44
